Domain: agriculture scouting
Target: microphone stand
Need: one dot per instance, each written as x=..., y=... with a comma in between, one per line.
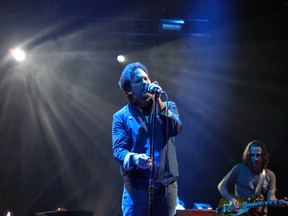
x=152, y=174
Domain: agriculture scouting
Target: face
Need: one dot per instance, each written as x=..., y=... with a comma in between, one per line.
x=256, y=156
x=138, y=85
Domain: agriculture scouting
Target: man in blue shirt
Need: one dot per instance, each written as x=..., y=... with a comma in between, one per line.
x=132, y=130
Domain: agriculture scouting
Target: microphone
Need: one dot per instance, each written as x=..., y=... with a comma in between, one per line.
x=153, y=88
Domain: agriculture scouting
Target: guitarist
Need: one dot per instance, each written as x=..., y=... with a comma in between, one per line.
x=248, y=179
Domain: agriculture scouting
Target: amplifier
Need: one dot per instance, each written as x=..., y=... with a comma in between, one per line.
x=194, y=212
x=65, y=213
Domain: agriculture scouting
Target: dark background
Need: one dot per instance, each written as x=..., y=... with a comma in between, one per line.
x=227, y=71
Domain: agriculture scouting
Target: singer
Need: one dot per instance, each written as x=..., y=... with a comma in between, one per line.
x=131, y=143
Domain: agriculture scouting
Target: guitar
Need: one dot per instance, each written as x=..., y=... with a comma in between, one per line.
x=245, y=205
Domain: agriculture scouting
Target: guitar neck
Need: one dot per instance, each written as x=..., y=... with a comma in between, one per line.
x=224, y=208
x=264, y=203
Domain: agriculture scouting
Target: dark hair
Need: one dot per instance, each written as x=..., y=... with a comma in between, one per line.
x=265, y=154
x=127, y=75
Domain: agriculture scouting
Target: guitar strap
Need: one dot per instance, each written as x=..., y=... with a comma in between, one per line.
x=260, y=183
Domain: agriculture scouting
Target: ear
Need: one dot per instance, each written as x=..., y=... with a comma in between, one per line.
x=127, y=91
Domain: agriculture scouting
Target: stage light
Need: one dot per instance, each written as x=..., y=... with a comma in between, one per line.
x=204, y=206
x=171, y=25
x=121, y=59
x=179, y=204
x=8, y=213
x=18, y=54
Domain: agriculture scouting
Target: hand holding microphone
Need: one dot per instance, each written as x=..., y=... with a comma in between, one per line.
x=154, y=88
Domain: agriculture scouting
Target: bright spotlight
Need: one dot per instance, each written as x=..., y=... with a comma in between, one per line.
x=18, y=54
x=121, y=59
x=8, y=213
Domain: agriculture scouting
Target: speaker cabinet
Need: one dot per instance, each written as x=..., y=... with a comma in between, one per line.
x=65, y=213
x=193, y=212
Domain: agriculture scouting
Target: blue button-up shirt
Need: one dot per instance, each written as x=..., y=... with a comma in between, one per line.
x=131, y=134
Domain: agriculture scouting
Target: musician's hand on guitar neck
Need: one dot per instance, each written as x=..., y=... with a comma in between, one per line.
x=234, y=205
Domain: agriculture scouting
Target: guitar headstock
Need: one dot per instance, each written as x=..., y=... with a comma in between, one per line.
x=283, y=202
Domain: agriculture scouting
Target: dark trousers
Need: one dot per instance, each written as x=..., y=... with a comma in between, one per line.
x=135, y=201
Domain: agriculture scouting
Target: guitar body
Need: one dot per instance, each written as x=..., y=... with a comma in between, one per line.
x=223, y=206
